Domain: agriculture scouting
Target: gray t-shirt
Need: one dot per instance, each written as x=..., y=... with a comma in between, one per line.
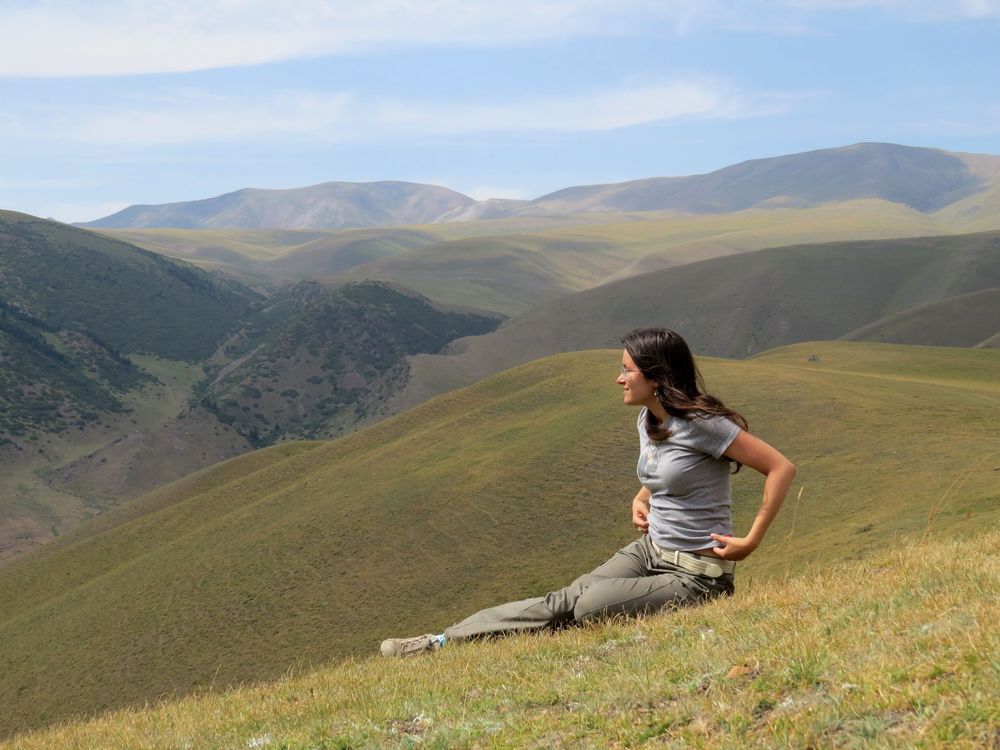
x=688, y=481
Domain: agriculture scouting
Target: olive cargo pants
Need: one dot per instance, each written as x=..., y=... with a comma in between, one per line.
x=634, y=581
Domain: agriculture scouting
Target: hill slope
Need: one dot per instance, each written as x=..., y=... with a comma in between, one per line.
x=296, y=556
x=963, y=320
x=509, y=265
x=308, y=364
x=735, y=306
x=74, y=305
x=896, y=650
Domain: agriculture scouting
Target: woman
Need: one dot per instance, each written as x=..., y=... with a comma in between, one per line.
x=688, y=442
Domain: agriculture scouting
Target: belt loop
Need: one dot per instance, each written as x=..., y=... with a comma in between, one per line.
x=677, y=557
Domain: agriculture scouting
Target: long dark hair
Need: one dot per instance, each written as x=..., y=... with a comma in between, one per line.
x=663, y=357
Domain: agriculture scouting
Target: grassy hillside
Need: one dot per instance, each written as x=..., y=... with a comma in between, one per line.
x=92, y=333
x=509, y=265
x=964, y=320
x=514, y=271
x=75, y=308
x=896, y=650
x=737, y=306
x=309, y=364
x=133, y=300
x=298, y=556
x=314, y=357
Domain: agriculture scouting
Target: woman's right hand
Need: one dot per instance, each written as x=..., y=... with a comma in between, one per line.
x=640, y=511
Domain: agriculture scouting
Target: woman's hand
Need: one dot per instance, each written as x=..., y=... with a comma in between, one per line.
x=640, y=510
x=778, y=472
x=733, y=547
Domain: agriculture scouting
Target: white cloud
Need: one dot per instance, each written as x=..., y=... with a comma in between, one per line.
x=914, y=10
x=595, y=111
x=124, y=37
x=71, y=38
x=192, y=116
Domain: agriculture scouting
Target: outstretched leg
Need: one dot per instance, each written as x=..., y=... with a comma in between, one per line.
x=556, y=607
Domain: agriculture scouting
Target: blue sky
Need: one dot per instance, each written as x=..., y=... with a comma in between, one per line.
x=106, y=104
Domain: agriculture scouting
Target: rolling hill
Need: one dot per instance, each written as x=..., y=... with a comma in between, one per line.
x=921, y=178
x=310, y=363
x=924, y=179
x=75, y=308
x=315, y=356
x=512, y=273
x=509, y=265
x=305, y=552
x=971, y=319
x=96, y=336
x=741, y=305
x=104, y=345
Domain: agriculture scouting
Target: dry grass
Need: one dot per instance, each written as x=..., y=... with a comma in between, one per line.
x=899, y=650
x=303, y=554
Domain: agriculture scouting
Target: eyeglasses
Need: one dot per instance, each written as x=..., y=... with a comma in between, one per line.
x=625, y=371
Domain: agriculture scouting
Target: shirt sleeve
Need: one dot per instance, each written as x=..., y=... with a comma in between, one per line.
x=713, y=435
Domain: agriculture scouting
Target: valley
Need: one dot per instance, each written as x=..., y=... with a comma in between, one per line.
x=308, y=552
x=233, y=451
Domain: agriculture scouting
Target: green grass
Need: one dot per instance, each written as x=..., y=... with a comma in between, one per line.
x=896, y=651
x=295, y=557
x=513, y=271
x=511, y=264
x=737, y=306
x=35, y=507
x=963, y=320
x=133, y=300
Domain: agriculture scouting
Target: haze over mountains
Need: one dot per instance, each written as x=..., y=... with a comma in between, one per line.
x=924, y=179
x=124, y=367
x=132, y=370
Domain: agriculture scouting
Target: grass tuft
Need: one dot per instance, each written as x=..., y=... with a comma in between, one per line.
x=895, y=650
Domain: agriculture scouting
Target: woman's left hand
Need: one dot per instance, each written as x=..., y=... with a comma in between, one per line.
x=733, y=547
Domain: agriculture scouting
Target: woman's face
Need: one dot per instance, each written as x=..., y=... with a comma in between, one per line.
x=638, y=390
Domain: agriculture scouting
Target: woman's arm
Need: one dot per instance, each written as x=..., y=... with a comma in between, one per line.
x=778, y=472
x=640, y=510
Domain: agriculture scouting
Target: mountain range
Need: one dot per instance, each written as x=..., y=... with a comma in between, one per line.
x=305, y=439
x=927, y=180
x=131, y=369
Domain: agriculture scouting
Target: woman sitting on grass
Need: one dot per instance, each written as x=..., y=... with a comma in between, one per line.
x=688, y=441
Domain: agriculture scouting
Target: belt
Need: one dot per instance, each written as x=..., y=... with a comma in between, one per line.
x=701, y=565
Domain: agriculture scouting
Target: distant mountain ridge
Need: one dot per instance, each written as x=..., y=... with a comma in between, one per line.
x=925, y=179
x=331, y=204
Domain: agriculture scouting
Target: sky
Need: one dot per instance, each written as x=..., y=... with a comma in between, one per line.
x=108, y=103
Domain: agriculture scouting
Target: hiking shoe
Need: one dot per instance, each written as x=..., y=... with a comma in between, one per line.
x=410, y=646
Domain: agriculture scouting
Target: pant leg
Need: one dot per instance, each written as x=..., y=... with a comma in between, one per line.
x=556, y=607
x=664, y=585
x=637, y=596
